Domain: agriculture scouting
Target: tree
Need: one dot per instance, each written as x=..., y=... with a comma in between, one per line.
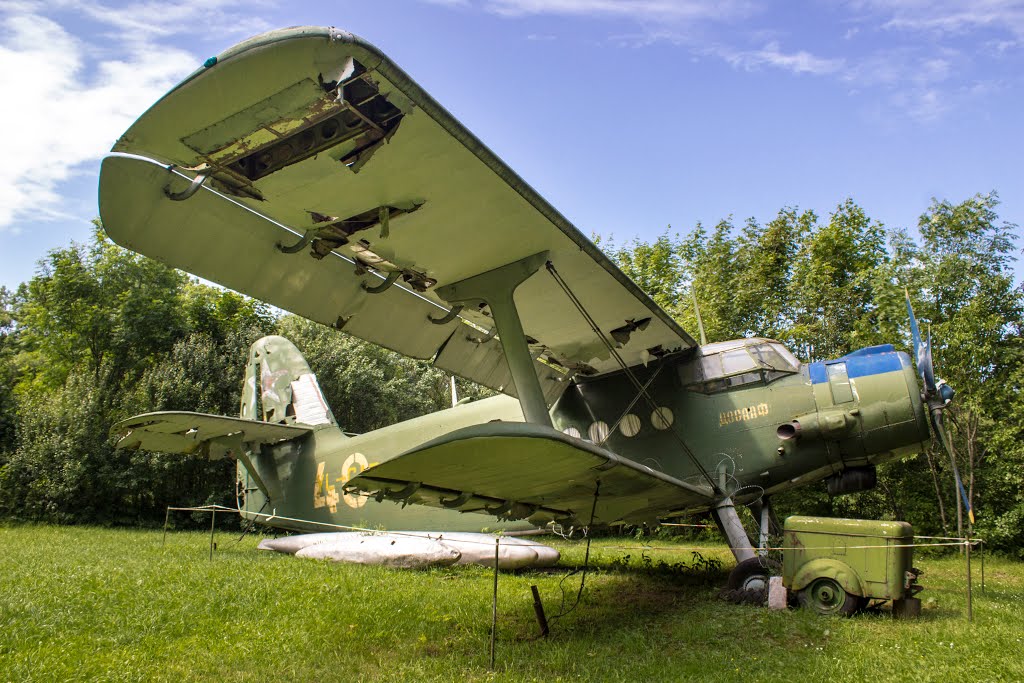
x=826, y=290
x=8, y=375
x=834, y=284
x=976, y=315
x=90, y=304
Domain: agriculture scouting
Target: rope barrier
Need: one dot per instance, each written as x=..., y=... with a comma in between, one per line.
x=953, y=541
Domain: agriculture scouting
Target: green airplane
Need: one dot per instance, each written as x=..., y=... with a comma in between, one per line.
x=304, y=168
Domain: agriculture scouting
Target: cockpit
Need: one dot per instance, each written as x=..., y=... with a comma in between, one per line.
x=724, y=365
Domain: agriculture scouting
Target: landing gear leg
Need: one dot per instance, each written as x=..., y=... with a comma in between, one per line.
x=750, y=576
x=768, y=522
x=728, y=522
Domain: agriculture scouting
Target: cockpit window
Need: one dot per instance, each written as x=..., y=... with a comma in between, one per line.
x=724, y=365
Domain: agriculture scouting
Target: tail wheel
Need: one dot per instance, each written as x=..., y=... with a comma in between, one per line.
x=826, y=596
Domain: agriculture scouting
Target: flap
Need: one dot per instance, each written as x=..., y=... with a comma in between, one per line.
x=524, y=471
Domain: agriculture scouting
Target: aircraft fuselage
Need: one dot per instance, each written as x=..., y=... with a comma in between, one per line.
x=754, y=431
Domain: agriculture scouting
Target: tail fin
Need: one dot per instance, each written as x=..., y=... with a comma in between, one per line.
x=280, y=387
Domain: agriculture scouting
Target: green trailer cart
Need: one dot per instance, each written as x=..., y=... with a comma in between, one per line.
x=838, y=566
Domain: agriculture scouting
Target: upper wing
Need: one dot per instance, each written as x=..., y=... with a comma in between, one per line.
x=187, y=433
x=528, y=471
x=314, y=132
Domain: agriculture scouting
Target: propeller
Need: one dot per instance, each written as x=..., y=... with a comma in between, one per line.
x=937, y=395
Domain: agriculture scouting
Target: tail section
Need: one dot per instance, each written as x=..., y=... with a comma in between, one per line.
x=280, y=387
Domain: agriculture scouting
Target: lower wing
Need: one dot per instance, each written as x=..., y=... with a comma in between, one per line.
x=526, y=471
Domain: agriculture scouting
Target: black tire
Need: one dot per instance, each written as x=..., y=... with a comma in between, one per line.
x=752, y=574
x=825, y=596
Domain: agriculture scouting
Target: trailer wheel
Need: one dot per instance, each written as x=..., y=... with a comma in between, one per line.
x=826, y=596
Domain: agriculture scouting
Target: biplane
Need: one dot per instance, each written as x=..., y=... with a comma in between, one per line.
x=304, y=168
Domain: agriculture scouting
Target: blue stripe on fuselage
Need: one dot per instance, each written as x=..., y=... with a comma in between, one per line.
x=858, y=365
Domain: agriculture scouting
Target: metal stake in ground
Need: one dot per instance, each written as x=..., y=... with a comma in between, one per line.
x=494, y=603
x=213, y=518
x=970, y=601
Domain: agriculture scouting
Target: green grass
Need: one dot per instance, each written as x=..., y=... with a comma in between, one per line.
x=83, y=604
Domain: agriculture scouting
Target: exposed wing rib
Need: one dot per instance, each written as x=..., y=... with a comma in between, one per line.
x=517, y=471
x=318, y=131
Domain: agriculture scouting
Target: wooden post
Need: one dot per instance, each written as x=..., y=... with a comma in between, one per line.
x=538, y=609
x=167, y=516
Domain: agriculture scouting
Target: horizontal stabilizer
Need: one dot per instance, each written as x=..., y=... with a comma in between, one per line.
x=526, y=471
x=187, y=433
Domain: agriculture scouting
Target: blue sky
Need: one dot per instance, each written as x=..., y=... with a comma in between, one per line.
x=628, y=115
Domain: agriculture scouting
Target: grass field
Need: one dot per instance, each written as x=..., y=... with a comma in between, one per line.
x=85, y=604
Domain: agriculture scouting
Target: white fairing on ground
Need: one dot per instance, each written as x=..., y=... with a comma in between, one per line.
x=471, y=548
x=293, y=544
x=479, y=549
x=406, y=552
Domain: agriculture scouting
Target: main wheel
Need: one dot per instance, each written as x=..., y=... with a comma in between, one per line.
x=826, y=596
x=753, y=574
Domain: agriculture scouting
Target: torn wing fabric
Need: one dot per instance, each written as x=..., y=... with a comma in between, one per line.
x=524, y=471
x=189, y=433
x=337, y=189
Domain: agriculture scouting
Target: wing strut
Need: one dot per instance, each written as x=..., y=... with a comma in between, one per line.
x=496, y=288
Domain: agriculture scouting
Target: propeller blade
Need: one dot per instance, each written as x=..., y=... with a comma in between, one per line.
x=924, y=364
x=940, y=431
x=937, y=397
x=922, y=351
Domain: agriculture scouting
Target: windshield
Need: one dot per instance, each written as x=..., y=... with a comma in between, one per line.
x=743, y=361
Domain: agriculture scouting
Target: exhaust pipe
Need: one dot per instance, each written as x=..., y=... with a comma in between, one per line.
x=832, y=424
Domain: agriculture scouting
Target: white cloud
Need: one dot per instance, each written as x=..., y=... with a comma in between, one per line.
x=893, y=52
x=801, y=61
x=144, y=21
x=69, y=97
x=949, y=16
x=690, y=10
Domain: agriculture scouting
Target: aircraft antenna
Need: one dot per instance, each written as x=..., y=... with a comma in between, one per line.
x=700, y=322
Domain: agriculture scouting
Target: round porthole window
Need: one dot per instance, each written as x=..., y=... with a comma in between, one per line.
x=630, y=425
x=598, y=431
x=662, y=418
x=572, y=431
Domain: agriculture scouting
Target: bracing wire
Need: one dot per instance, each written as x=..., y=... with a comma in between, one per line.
x=562, y=611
